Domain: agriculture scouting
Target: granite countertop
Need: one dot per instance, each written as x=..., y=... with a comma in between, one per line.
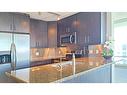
x=53, y=72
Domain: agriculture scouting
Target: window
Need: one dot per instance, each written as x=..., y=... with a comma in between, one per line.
x=120, y=37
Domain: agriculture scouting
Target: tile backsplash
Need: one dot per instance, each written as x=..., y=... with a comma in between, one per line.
x=95, y=50
x=38, y=54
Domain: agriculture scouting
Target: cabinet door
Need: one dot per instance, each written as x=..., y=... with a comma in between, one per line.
x=32, y=33
x=100, y=75
x=6, y=21
x=82, y=19
x=38, y=33
x=95, y=30
x=61, y=30
x=71, y=23
x=41, y=35
x=21, y=23
x=67, y=25
x=52, y=34
x=89, y=28
x=62, y=26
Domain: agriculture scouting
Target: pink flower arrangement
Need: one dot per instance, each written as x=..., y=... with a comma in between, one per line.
x=107, y=50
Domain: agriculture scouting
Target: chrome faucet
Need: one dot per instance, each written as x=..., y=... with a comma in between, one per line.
x=73, y=60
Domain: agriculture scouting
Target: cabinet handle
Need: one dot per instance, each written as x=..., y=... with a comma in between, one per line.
x=88, y=39
x=10, y=26
x=75, y=37
x=85, y=39
x=14, y=27
x=36, y=44
x=68, y=29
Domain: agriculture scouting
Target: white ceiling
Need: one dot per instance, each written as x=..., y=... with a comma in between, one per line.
x=49, y=16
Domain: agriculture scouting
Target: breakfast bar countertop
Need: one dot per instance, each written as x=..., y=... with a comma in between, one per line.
x=53, y=72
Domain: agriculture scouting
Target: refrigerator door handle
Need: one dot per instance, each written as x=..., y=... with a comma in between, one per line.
x=13, y=56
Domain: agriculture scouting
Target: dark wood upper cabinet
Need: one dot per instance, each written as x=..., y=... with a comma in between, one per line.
x=89, y=28
x=87, y=25
x=95, y=29
x=6, y=21
x=70, y=24
x=44, y=29
x=82, y=27
x=66, y=26
x=38, y=32
x=52, y=34
x=33, y=42
x=14, y=22
x=21, y=23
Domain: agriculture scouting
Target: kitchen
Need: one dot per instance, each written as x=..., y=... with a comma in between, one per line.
x=60, y=47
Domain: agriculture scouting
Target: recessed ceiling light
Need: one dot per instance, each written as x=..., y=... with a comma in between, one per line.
x=58, y=18
x=58, y=15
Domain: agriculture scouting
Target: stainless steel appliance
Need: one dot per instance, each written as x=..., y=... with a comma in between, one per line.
x=14, y=51
x=5, y=58
x=69, y=38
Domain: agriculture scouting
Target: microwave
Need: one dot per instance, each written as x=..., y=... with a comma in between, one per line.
x=68, y=38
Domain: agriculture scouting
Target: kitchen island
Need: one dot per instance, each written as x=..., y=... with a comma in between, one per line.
x=63, y=71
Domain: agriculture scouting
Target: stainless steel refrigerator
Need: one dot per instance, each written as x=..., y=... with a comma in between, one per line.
x=14, y=51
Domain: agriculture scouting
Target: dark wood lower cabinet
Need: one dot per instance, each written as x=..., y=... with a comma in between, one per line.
x=100, y=75
x=38, y=63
